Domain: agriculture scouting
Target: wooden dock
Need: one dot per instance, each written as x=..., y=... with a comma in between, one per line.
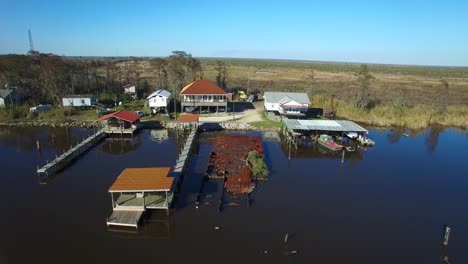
x=128, y=208
x=184, y=157
x=125, y=217
x=61, y=161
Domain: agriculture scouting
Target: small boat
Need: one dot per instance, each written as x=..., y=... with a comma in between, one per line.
x=366, y=142
x=327, y=141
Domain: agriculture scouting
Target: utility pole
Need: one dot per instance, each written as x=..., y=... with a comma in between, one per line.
x=31, y=44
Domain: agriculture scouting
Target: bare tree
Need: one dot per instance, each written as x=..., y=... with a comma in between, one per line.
x=159, y=66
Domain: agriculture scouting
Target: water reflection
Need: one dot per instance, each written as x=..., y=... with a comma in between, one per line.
x=26, y=138
x=432, y=138
x=159, y=135
x=119, y=146
x=311, y=149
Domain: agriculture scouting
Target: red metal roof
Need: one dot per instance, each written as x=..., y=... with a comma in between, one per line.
x=128, y=85
x=123, y=115
x=188, y=118
x=202, y=87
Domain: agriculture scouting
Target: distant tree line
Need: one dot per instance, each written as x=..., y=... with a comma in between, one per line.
x=45, y=78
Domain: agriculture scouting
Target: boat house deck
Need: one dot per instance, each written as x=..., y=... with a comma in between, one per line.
x=138, y=189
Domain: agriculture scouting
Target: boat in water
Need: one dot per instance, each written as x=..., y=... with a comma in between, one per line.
x=327, y=142
x=366, y=141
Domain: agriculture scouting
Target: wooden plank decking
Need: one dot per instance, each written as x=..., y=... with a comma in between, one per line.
x=122, y=217
x=62, y=160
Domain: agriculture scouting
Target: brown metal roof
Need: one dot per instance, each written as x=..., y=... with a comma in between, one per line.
x=188, y=118
x=202, y=87
x=143, y=179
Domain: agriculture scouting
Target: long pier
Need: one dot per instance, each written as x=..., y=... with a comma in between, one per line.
x=61, y=161
x=184, y=157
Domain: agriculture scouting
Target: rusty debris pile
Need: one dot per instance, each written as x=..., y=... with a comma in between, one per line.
x=229, y=161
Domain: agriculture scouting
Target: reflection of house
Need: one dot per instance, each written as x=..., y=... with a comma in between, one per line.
x=9, y=97
x=203, y=93
x=79, y=100
x=286, y=103
x=159, y=100
x=159, y=134
x=121, y=122
x=138, y=189
x=129, y=88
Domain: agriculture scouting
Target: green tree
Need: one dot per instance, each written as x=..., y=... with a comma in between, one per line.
x=222, y=76
x=441, y=99
x=362, y=95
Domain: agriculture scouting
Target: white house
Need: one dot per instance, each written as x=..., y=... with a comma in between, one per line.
x=158, y=100
x=129, y=88
x=286, y=103
x=79, y=100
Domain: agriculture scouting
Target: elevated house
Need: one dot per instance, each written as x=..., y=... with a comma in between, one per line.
x=203, y=94
x=159, y=100
x=9, y=97
x=79, y=100
x=120, y=122
x=287, y=103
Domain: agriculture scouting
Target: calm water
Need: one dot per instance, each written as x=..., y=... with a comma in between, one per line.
x=383, y=205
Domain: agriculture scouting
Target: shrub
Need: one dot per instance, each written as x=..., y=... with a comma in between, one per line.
x=257, y=164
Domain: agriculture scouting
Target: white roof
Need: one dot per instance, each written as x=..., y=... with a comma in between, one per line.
x=323, y=125
x=284, y=97
x=161, y=92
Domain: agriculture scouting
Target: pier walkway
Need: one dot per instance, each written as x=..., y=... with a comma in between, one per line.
x=73, y=153
x=184, y=157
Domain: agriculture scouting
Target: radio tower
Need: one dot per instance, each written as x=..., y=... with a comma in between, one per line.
x=31, y=44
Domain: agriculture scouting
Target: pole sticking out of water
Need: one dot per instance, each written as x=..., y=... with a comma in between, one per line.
x=286, y=238
x=38, y=146
x=446, y=235
x=342, y=156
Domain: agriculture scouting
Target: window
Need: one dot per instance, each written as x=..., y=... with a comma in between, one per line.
x=82, y=101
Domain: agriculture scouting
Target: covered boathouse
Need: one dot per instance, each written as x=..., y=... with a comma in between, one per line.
x=315, y=127
x=120, y=122
x=139, y=189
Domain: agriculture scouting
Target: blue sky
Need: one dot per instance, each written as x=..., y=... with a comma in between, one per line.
x=396, y=32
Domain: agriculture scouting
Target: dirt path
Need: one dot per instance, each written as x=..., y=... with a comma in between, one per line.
x=245, y=116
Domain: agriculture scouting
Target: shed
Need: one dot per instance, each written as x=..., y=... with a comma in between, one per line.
x=120, y=122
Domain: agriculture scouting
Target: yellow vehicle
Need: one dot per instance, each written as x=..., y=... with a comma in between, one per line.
x=243, y=96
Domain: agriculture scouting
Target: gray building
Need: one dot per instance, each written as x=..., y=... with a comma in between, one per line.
x=9, y=97
x=79, y=100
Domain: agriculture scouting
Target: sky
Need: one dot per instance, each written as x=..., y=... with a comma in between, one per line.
x=389, y=32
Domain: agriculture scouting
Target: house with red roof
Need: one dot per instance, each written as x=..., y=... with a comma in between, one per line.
x=204, y=95
x=120, y=122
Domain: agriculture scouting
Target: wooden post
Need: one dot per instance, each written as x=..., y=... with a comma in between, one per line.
x=446, y=235
x=342, y=156
x=113, y=201
x=38, y=146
